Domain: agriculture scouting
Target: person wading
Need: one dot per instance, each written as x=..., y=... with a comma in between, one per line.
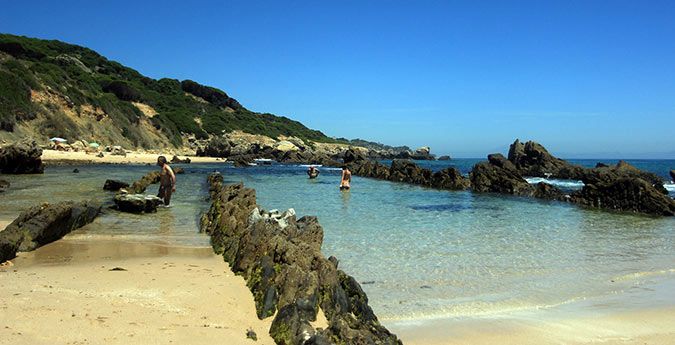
x=167, y=181
x=346, y=178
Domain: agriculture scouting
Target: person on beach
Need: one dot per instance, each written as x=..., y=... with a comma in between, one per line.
x=167, y=181
x=312, y=172
x=346, y=178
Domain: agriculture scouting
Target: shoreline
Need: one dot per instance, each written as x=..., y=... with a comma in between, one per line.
x=177, y=294
x=56, y=158
x=615, y=319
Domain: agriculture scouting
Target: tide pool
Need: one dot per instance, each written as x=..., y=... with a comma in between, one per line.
x=419, y=253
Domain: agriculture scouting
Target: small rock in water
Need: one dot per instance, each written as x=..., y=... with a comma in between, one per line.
x=368, y=282
x=76, y=170
x=117, y=269
x=251, y=335
x=425, y=287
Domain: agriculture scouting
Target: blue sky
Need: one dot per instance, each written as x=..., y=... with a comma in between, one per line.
x=584, y=78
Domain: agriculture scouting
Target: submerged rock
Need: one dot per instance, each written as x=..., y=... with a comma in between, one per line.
x=43, y=224
x=4, y=185
x=137, y=203
x=21, y=158
x=114, y=185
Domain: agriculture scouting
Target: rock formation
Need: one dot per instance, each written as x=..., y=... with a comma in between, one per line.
x=4, y=185
x=672, y=175
x=444, y=158
x=280, y=258
x=21, y=158
x=177, y=160
x=141, y=185
x=499, y=175
x=114, y=185
x=43, y=224
x=532, y=159
x=629, y=194
x=137, y=203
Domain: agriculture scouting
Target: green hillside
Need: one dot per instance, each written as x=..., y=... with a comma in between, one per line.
x=83, y=88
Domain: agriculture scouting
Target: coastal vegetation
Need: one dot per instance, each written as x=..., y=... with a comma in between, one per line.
x=60, y=89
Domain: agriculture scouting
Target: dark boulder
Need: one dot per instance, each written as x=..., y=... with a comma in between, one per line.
x=546, y=191
x=4, y=185
x=498, y=175
x=178, y=171
x=408, y=172
x=372, y=169
x=444, y=158
x=352, y=156
x=449, y=178
x=672, y=175
x=141, y=185
x=21, y=158
x=626, y=194
x=601, y=165
x=137, y=203
x=114, y=185
x=532, y=159
x=216, y=147
x=177, y=160
x=621, y=170
x=43, y=224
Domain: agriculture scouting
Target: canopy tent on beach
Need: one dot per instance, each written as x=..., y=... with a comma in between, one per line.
x=58, y=140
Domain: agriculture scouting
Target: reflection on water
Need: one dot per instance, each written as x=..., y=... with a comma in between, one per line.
x=429, y=253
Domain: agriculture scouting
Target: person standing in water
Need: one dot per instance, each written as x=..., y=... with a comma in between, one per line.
x=346, y=178
x=167, y=181
x=312, y=172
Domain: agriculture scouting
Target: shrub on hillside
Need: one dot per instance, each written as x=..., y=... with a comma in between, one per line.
x=122, y=90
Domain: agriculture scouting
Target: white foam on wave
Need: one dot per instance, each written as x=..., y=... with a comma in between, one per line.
x=574, y=184
x=669, y=186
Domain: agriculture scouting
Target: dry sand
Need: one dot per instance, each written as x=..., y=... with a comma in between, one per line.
x=53, y=156
x=66, y=293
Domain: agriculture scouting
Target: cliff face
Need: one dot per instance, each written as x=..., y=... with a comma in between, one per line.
x=51, y=88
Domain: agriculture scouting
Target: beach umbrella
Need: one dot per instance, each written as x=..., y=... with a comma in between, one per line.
x=57, y=139
x=94, y=145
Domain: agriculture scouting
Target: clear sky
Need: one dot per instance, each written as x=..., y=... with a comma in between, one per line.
x=584, y=78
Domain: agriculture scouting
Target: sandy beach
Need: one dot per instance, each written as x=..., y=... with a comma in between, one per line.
x=72, y=292
x=636, y=327
x=51, y=157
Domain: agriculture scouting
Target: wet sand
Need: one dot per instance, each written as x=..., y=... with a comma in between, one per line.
x=61, y=157
x=637, y=327
x=69, y=293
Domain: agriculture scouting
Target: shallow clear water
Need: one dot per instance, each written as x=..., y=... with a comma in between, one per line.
x=420, y=253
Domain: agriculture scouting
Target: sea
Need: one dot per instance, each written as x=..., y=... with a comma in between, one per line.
x=419, y=253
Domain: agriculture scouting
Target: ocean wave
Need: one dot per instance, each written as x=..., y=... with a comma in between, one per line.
x=669, y=186
x=569, y=184
x=644, y=274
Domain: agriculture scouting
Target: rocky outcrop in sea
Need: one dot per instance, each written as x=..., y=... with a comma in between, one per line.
x=23, y=157
x=280, y=258
x=620, y=187
x=43, y=224
x=243, y=149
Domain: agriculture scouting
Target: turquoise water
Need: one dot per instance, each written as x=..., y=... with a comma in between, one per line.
x=419, y=253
